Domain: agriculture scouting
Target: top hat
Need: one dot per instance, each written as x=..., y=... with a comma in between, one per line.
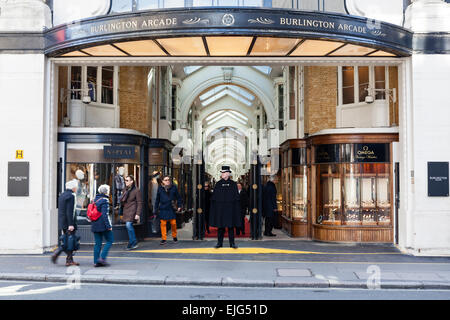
x=225, y=169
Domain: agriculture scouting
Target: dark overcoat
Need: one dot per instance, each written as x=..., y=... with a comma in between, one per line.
x=244, y=202
x=269, y=200
x=163, y=202
x=102, y=224
x=131, y=202
x=225, y=208
x=206, y=201
x=66, y=213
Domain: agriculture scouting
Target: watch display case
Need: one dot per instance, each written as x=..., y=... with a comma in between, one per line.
x=362, y=184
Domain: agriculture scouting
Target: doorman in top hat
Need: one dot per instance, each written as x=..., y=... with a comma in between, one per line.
x=225, y=209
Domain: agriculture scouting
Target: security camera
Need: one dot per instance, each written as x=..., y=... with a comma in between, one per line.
x=369, y=99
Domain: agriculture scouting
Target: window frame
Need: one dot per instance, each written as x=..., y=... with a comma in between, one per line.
x=84, y=84
x=356, y=83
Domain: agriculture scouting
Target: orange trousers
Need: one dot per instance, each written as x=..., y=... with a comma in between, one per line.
x=173, y=227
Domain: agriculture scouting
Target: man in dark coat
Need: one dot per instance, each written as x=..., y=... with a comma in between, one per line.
x=67, y=220
x=225, y=209
x=243, y=199
x=269, y=206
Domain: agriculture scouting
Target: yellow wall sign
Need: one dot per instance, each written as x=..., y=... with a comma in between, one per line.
x=19, y=154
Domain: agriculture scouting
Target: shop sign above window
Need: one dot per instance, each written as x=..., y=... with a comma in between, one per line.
x=118, y=152
x=327, y=153
x=371, y=152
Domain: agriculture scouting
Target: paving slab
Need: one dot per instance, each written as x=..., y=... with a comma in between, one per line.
x=294, y=272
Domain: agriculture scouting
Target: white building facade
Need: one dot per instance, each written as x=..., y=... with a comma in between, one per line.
x=46, y=43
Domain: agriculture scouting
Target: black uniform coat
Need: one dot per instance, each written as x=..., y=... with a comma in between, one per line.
x=244, y=202
x=269, y=200
x=225, y=208
x=66, y=213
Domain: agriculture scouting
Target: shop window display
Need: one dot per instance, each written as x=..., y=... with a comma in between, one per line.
x=364, y=186
x=294, y=184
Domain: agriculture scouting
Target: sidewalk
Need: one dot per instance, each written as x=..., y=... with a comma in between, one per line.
x=269, y=263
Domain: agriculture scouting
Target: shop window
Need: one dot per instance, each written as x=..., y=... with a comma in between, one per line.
x=329, y=194
x=163, y=94
x=92, y=175
x=96, y=82
x=363, y=78
x=348, y=85
x=363, y=185
x=107, y=85
x=367, y=78
x=92, y=83
x=380, y=83
x=75, y=83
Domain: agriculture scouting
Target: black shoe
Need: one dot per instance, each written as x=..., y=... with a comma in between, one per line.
x=218, y=246
x=234, y=246
x=162, y=242
x=270, y=235
x=54, y=258
x=175, y=240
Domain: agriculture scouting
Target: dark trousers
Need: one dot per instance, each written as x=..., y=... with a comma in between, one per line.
x=221, y=234
x=268, y=225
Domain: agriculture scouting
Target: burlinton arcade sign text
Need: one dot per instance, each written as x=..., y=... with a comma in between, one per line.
x=220, y=21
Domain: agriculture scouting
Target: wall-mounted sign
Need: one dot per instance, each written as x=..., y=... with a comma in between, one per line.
x=118, y=152
x=19, y=154
x=371, y=152
x=18, y=179
x=327, y=153
x=438, y=185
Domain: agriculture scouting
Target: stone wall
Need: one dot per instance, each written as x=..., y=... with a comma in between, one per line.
x=320, y=90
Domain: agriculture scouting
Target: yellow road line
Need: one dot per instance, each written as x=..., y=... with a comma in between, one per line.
x=253, y=251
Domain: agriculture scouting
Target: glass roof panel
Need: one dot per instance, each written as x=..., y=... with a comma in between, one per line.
x=228, y=46
x=105, y=50
x=381, y=53
x=266, y=46
x=352, y=50
x=186, y=46
x=141, y=48
x=315, y=48
x=243, y=95
x=75, y=54
x=224, y=93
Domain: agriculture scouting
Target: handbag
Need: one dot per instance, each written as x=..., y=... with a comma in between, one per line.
x=70, y=241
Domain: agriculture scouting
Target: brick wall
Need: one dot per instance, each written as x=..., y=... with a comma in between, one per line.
x=135, y=109
x=320, y=89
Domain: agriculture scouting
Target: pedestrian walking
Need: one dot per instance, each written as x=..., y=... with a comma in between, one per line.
x=131, y=202
x=243, y=200
x=269, y=206
x=102, y=228
x=225, y=209
x=168, y=200
x=67, y=222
